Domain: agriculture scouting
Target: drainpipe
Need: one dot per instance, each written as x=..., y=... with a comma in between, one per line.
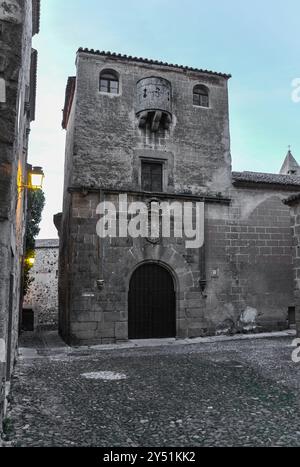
x=202, y=262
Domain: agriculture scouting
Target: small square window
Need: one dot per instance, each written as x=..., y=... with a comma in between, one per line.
x=152, y=176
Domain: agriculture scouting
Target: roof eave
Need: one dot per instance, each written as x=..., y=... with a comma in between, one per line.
x=264, y=185
x=69, y=97
x=146, y=61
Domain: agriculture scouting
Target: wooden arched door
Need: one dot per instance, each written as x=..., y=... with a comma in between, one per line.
x=151, y=303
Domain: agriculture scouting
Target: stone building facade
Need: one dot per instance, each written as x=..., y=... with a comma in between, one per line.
x=159, y=132
x=42, y=296
x=19, y=21
x=294, y=203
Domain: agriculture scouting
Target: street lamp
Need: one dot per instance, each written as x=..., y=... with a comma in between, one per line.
x=35, y=178
x=30, y=260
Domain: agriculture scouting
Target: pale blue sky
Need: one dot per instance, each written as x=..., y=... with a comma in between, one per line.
x=258, y=42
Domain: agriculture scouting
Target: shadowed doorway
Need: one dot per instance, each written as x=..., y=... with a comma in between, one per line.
x=151, y=303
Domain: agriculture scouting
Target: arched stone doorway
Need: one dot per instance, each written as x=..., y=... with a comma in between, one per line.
x=151, y=303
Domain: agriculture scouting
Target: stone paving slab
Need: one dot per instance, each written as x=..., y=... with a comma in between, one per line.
x=223, y=393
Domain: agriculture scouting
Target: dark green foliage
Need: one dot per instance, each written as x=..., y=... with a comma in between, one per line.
x=35, y=206
x=7, y=428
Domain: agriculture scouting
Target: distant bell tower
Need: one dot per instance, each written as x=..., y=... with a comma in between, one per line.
x=290, y=166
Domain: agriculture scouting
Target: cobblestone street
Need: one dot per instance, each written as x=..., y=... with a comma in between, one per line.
x=221, y=393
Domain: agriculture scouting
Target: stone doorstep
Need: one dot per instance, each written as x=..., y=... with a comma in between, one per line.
x=190, y=341
x=27, y=353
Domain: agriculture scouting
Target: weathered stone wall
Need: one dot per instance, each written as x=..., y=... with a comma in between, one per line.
x=66, y=240
x=257, y=243
x=42, y=296
x=295, y=227
x=248, y=270
x=16, y=19
x=109, y=146
x=248, y=262
x=105, y=148
x=101, y=316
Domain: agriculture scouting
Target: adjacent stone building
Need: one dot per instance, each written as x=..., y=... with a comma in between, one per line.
x=19, y=21
x=159, y=132
x=294, y=203
x=41, y=300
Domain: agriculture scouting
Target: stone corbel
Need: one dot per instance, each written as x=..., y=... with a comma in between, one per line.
x=158, y=118
x=143, y=119
x=156, y=121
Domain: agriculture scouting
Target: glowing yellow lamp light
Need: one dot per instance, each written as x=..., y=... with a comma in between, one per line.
x=30, y=259
x=36, y=178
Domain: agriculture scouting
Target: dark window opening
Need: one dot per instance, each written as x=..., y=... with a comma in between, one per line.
x=152, y=176
x=109, y=82
x=28, y=320
x=201, y=96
